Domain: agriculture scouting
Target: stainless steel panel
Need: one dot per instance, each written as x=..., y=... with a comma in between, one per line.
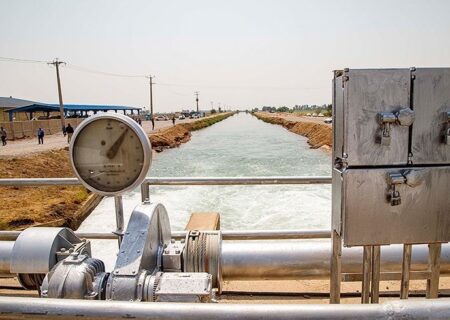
x=431, y=100
x=338, y=117
x=366, y=93
x=423, y=216
x=337, y=201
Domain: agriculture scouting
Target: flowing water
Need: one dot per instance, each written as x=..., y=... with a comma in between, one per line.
x=239, y=146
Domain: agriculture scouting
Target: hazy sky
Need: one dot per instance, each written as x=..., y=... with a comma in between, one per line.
x=237, y=53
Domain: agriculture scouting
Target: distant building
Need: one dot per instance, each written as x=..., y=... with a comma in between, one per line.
x=7, y=103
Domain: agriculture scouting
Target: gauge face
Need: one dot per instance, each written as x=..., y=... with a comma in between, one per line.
x=109, y=154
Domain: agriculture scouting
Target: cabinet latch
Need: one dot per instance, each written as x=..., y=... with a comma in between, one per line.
x=404, y=117
x=410, y=177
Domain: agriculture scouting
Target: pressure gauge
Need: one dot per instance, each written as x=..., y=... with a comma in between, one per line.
x=110, y=153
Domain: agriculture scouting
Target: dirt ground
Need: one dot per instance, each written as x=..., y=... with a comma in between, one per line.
x=319, y=134
x=280, y=292
x=25, y=206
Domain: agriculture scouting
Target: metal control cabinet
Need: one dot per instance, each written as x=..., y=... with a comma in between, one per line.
x=391, y=177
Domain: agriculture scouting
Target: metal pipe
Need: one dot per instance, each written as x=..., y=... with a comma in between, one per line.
x=226, y=234
x=289, y=260
x=39, y=181
x=35, y=308
x=145, y=192
x=120, y=220
x=200, y=181
x=5, y=256
x=180, y=181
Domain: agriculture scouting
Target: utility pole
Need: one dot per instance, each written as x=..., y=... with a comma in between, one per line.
x=151, y=95
x=56, y=63
x=196, y=98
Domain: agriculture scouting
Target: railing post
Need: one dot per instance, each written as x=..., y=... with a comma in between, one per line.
x=145, y=191
x=120, y=221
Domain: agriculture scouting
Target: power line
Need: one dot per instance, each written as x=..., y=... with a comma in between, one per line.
x=8, y=59
x=83, y=69
x=122, y=75
x=74, y=67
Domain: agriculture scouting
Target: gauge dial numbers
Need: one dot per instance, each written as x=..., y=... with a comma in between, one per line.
x=110, y=153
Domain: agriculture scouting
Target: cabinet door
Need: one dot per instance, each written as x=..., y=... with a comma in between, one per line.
x=366, y=94
x=431, y=100
x=423, y=216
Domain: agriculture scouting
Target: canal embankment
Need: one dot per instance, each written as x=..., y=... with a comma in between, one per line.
x=319, y=134
x=172, y=137
x=22, y=207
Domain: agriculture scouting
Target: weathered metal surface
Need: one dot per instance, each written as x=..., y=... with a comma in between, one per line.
x=293, y=260
x=6, y=248
x=32, y=308
x=183, y=287
x=431, y=99
x=366, y=94
x=226, y=234
x=147, y=232
x=179, y=181
x=75, y=278
x=370, y=217
x=35, y=249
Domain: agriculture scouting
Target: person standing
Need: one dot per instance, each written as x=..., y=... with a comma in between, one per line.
x=153, y=123
x=69, y=131
x=173, y=120
x=3, y=135
x=40, y=134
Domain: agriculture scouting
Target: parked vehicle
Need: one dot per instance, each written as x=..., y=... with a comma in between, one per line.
x=161, y=118
x=328, y=120
x=181, y=117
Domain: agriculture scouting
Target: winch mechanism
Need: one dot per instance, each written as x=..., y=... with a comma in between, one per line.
x=150, y=266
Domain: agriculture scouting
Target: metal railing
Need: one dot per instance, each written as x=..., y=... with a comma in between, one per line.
x=185, y=181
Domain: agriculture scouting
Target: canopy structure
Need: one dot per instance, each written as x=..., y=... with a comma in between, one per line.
x=83, y=109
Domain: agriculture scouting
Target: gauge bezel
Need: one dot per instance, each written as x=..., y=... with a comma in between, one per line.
x=143, y=139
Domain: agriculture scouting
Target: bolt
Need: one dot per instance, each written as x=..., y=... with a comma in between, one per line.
x=177, y=251
x=133, y=272
x=128, y=232
x=123, y=251
x=172, y=240
x=71, y=250
x=138, y=251
x=63, y=249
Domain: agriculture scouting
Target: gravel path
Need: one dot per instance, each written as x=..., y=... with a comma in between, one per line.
x=58, y=141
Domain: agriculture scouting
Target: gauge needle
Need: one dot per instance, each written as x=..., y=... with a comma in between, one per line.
x=116, y=145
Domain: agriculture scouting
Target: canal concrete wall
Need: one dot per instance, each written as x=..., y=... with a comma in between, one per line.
x=22, y=207
x=320, y=135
